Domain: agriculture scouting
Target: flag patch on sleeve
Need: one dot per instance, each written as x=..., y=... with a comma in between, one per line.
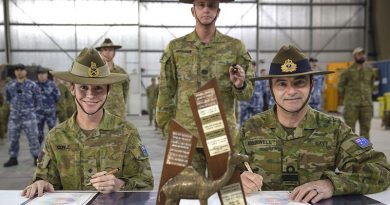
x=362, y=142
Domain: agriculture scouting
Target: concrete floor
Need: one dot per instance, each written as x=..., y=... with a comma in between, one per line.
x=17, y=177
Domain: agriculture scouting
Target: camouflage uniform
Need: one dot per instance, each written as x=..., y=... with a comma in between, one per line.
x=316, y=94
x=356, y=87
x=24, y=99
x=255, y=105
x=47, y=113
x=2, y=135
x=69, y=157
x=152, y=94
x=117, y=97
x=4, y=109
x=186, y=65
x=65, y=103
x=318, y=146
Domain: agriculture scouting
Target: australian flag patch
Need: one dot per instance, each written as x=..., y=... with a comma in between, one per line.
x=362, y=142
x=144, y=151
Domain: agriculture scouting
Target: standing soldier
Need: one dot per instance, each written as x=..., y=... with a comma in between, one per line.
x=24, y=98
x=65, y=102
x=316, y=96
x=50, y=95
x=194, y=59
x=152, y=94
x=356, y=85
x=116, y=101
x=4, y=109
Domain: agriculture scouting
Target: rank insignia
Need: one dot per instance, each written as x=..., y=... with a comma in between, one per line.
x=362, y=142
x=289, y=66
x=93, y=71
x=144, y=151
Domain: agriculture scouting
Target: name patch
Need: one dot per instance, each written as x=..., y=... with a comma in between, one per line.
x=262, y=142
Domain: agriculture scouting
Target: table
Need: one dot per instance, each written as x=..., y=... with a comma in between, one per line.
x=149, y=198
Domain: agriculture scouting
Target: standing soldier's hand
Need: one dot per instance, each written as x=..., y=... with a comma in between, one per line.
x=237, y=75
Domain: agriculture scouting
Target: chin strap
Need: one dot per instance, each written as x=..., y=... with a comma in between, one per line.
x=108, y=90
x=304, y=104
x=196, y=16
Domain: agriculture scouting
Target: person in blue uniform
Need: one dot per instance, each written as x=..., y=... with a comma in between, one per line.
x=24, y=98
x=316, y=96
x=50, y=95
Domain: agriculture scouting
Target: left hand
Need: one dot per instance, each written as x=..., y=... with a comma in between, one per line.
x=312, y=191
x=106, y=183
x=238, y=77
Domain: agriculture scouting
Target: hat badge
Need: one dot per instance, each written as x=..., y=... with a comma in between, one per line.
x=289, y=66
x=93, y=71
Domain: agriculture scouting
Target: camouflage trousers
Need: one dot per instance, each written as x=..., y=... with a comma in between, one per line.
x=29, y=125
x=199, y=162
x=152, y=114
x=4, y=120
x=50, y=117
x=363, y=114
x=316, y=106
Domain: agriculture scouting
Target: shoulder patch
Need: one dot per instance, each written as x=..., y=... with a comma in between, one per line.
x=144, y=151
x=362, y=142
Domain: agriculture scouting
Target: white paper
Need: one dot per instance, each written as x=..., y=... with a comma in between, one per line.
x=68, y=198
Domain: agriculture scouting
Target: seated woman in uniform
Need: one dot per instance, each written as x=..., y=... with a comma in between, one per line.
x=80, y=153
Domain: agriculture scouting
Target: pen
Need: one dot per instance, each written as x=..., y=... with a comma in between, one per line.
x=109, y=172
x=249, y=169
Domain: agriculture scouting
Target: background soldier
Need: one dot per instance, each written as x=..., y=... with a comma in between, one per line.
x=24, y=98
x=50, y=95
x=4, y=109
x=191, y=61
x=116, y=101
x=66, y=100
x=316, y=97
x=152, y=94
x=356, y=85
x=294, y=147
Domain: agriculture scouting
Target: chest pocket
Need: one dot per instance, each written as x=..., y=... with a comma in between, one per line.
x=112, y=157
x=185, y=65
x=68, y=162
x=264, y=154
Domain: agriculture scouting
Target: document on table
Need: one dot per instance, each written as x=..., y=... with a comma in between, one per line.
x=271, y=198
x=68, y=198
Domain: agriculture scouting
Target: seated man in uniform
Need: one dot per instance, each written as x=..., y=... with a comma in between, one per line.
x=294, y=147
x=80, y=153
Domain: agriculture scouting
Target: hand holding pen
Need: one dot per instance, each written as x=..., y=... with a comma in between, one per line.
x=106, y=182
x=251, y=182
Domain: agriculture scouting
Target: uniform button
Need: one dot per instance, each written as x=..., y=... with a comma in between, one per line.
x=90, y=170
x=204, y=72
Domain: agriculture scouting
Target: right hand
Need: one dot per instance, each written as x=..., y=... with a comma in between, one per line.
x=251, y=182
x=39, y=187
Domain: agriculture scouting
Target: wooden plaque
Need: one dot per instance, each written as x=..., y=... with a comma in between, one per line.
x=210, y=118
x=179, y=151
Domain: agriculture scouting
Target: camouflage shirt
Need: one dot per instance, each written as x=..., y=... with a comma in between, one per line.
x=357, y=85
x=116, y=100
x=319, y=145
x=69, y=158
x=187, y=64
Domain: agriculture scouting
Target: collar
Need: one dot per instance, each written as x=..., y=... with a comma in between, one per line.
x=105, y=124
x=309, y=122
x=193, y=37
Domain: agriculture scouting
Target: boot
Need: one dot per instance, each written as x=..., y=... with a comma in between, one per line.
x=13, y=161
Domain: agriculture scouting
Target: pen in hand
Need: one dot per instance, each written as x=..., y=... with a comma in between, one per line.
x=249, y=169
x=108, y=173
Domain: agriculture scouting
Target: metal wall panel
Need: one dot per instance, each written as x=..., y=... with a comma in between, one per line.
x=80, y=11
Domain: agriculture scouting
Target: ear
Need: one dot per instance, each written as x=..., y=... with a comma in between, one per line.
x=72, y=90
x=219, y=10
x=193, y=11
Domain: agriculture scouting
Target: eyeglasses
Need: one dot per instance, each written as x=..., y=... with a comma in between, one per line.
x=210, y=5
